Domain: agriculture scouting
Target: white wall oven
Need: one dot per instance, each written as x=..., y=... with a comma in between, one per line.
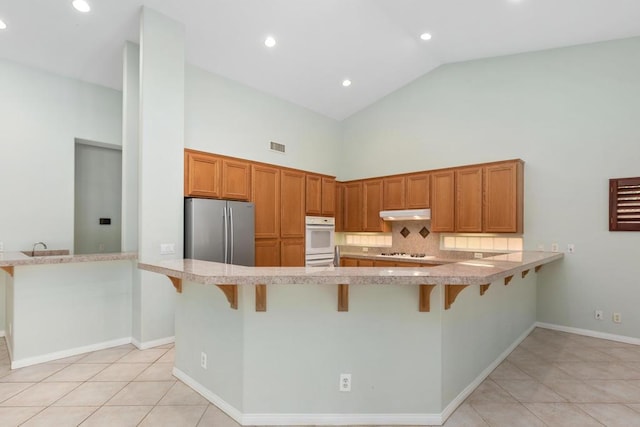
x=319, y=250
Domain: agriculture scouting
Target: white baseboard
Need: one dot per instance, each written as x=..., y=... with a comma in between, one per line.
x=306, y=419
x=589, y=333
x=457, y=401
x=155, y=343
x=21, y=363
x=209, y=395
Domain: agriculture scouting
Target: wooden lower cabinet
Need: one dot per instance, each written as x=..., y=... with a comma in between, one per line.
x=348, y=262
x=384, y=263
x=365, y=263
x=292, y=253
x=267, y=253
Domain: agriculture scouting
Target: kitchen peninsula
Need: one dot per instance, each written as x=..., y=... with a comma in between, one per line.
x=415, y=341
x=61, y=305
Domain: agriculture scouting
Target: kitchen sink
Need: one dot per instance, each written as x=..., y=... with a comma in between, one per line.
x=47, y=252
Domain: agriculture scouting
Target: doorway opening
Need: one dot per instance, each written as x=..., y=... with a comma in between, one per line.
x=98, y=198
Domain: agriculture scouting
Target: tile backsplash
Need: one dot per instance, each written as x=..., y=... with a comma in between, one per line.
x=414, y=242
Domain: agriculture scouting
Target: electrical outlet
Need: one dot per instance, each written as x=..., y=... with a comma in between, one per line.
x=167, y=248
x=571, y=248
x=555, y=247
x=617, y=318
x=203, y=360
x=345, y=382
x=599, y=315
x=477, y=254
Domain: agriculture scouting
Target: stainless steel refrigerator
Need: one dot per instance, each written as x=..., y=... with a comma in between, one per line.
x=220, y=231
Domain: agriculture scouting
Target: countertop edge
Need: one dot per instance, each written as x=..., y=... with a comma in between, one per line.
x=468, y=272
x=17, y=259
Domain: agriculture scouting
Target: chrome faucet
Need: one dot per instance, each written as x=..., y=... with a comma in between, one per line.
x=33, y=251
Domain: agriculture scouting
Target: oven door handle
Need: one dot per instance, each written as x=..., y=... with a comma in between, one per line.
x=326, y=262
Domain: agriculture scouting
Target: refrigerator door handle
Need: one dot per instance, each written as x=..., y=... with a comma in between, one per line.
x=231, y=234
x=226, y=235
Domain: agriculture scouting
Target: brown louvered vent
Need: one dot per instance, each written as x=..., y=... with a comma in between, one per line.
x=624, y=204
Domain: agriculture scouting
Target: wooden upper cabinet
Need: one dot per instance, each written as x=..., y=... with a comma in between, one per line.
x=417, y=193
x=468, y=210
x=503, y=191
x=443, y=201
x=328, y=196
x=266, y=197
x=314, y=195
x=292, y=201
x=202, y=175
x=372, y=192
x=339, y=211
x=352, y=206
x=267, y=252
x=292, y=253
x=393, y=193
x=236, y=179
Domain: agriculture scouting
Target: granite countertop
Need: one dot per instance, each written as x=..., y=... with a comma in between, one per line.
x=14, y=259
x=469, y=272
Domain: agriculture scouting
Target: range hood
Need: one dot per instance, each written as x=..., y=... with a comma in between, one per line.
x=406, y=215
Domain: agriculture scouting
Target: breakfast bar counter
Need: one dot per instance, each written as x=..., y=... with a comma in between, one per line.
x=404, y=363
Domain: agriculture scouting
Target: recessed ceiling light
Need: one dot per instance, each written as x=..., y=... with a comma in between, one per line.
x=81, y=6
x=3, y=26
x=346, y=83
x=425, y=36
x=270, y=42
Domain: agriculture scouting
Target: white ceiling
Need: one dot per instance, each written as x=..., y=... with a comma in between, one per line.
x=375, y=43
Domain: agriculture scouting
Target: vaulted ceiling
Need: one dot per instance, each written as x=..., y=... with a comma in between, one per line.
x=319, y=43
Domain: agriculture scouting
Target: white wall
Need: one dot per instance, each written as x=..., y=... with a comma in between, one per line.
x=572, y=115
x=228, y=118
x=42, y=114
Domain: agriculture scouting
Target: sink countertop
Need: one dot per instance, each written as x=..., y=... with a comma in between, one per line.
x=12, y=259
x=466, y=272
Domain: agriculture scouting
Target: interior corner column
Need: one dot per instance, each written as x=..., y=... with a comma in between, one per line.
x=161, y=140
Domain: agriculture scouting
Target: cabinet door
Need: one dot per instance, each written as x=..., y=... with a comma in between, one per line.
x=393, y=193
x=339, y=212
x=267, y=253
x=314, y=194
x=328, y=196
x=236, y=180
x=417, y=196
x=292, y=203
x=503, y=188
x=352, y=206
x=292, y=252
x=266, y=197
x=383, y=263
x=469, y=200
x=348, y=262
x=202, y=175
x=442, y=201
x=372, y=205
x=365, y=263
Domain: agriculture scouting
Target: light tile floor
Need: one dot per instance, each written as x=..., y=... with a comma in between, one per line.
x=551, y=379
